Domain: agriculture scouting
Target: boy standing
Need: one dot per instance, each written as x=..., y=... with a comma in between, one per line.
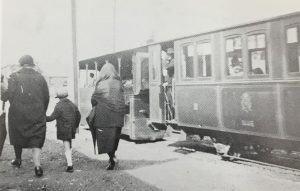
x=67, y=118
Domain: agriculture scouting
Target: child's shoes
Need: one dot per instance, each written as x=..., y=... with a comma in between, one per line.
x=70, y=169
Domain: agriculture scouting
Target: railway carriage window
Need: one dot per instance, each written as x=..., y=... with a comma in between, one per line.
x=204, y=59
x=293, y=49
x=145, y=73
x=154, y=67
x=257, y=54
x=234, y=57
x=187, y=56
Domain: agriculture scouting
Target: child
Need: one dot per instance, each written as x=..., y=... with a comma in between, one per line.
x=67, y=118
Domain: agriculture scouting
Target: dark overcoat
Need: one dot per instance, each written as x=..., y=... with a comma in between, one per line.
x=108, y=100
x=28, y=95
x=67, y=118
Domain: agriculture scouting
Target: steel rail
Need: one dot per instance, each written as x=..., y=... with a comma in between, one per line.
x=232, y=158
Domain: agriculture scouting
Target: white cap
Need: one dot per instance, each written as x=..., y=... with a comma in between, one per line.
x=61, y=92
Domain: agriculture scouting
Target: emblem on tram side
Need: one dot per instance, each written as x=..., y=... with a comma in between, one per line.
x=246, y=102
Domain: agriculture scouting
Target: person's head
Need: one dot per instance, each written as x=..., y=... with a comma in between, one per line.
x=92, y=75
x=107, y=71
x=61, y=93
x=170, y=51
x=170, y=54
x=235, y=61
x=26, y=61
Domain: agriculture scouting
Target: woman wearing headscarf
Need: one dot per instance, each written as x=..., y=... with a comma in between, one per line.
x=108, y=100
x=28, y=95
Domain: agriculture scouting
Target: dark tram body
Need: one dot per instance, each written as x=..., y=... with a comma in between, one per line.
x=239, y=85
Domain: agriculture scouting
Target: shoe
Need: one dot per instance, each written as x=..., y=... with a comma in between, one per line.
x=16, y=163
x=70, y=169
x=38, y=171
x=111, y=165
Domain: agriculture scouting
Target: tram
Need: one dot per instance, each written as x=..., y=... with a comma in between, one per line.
x=240, y=85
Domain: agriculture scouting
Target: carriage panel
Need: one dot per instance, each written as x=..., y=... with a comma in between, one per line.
x=197, y=106
x=250, y=109
x=291, y=108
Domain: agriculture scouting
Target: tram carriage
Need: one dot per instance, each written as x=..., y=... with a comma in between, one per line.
x=239, y=85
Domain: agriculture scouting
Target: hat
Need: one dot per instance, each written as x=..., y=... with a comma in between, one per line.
x=170, y=51
x=26, y=60
x=61, y=93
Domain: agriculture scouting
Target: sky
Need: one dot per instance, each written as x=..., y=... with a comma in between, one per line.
x=43, y=29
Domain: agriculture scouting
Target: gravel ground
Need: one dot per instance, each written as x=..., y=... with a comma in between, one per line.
x=89, y=174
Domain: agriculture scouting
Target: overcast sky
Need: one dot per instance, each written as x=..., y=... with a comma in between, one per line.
x=43, y=27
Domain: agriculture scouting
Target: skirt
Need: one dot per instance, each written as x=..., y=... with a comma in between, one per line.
x=108, y=139
x=3, y=131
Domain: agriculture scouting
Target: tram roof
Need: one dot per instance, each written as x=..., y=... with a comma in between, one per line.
x=113, y=55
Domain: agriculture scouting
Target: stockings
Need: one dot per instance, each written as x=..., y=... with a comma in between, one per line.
x=18, y=152
x=68, y=152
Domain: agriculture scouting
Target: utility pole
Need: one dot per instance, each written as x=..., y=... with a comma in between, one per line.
x=74, y=52
x=114, y=25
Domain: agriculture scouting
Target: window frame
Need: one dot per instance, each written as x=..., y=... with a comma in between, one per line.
x=249, y=75
x=262, y=28
x=196, y=64
x=287, y=64
x=225, y=61
x=182, y=77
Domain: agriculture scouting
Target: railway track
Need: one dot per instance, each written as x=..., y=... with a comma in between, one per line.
x=271, y=160
x=268, y=165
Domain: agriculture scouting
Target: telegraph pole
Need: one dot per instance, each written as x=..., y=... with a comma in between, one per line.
x=74, y=52
x=114, y=25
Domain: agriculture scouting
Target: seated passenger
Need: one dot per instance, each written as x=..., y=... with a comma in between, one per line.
x=235, y=67
x=257, y=71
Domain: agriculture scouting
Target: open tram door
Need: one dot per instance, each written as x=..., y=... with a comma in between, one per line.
x=136, y=123
x=157, y=103
x=161, y=70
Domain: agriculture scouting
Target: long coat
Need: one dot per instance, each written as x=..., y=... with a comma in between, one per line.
x=67, y=118
x=108, y=100
x=28, y=95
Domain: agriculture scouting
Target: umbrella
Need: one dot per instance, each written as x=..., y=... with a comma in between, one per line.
x=90, y=121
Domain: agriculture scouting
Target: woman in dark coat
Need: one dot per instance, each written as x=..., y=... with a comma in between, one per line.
x=108, y=100
x=28, y=95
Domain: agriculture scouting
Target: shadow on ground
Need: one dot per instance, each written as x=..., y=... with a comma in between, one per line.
x=190, y=146
x=127, y=138
x=89, y=174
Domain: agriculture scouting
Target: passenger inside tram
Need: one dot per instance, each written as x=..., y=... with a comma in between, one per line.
x=235, y=67
x=257, y=71
x=168, y=73
x=92, y=80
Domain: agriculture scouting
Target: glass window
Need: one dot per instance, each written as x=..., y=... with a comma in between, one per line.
x=154, y=66
x=145, y=73
x=187, y=62
x=257, y=54
x=293, y=49
x=234, y=57
x=204, y=59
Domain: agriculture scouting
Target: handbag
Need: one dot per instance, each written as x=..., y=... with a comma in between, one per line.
x=3, y=131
